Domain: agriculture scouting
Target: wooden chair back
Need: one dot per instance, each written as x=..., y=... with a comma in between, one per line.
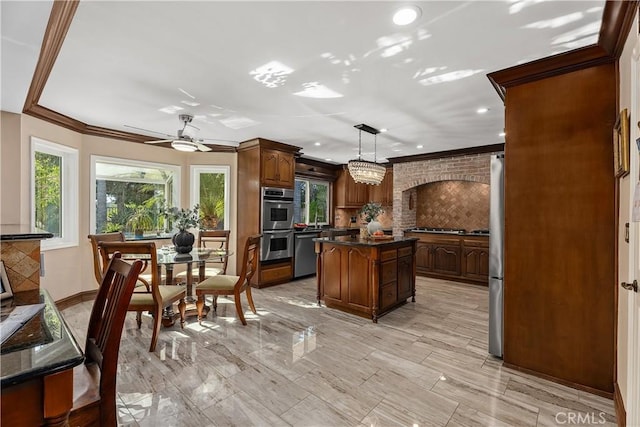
x=147, y=253
x=96, y=239
x=103, y=344
x=215, y=239
x=250, y=261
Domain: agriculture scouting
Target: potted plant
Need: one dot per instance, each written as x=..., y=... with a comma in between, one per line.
x=370, y=212
x=141, y=219
x=183, y=219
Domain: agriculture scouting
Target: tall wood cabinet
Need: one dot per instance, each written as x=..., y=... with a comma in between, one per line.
x=383, y=193
x=560, y=217
x=262, y=163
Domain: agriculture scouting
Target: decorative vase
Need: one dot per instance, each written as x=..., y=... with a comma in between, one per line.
x=183, y=241
x=373, y=226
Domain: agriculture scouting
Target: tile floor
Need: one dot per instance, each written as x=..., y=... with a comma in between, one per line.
x=424, y=364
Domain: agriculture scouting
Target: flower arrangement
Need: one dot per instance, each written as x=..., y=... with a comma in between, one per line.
x=182, y=219
x=371, y=210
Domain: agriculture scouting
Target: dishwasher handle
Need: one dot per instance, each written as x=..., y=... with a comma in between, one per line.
x=306, y=236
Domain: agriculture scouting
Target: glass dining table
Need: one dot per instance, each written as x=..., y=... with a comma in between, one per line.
x=169, y=258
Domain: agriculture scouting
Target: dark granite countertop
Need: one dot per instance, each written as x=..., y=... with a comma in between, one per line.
x=42, y=346
x=444, y=233
x=22, y=232
x=357, y=241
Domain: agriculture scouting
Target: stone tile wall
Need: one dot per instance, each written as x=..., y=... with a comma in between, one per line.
x=408, y=176
x=22, y=262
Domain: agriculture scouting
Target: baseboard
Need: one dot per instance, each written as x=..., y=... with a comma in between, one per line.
x=621, y=414
x=571, y=384
x=76, y=299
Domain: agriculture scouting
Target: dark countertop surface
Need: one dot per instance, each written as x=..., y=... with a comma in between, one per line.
x=443, y=233
x=357, y=241
x=22, y=232
x=42, y=346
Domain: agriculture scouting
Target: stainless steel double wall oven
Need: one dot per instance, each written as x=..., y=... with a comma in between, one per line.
x=277, y=223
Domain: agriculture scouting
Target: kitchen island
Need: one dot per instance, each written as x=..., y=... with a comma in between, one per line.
x=365, y=277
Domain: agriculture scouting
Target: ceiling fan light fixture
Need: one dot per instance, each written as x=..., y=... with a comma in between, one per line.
x=184, y=145
x=363, y=171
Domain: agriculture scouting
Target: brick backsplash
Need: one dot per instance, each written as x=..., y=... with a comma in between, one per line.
x=409, y=176
x=453, y=204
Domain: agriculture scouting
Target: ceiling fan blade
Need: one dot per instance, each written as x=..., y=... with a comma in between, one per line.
x=202, y=147
x=217, y=141
x=158, y=141
x=147, y=130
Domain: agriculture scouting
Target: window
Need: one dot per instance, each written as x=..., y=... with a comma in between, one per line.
x=131, y=195
x=210, y=189
x=54, y=192
x=311, y=202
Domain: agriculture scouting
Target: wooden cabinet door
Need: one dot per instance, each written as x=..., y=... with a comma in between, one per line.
x=348, y=193
x=357, y=297
x=446, y=259
x=405, y=277
x=286, y=170
x=383, y=193
x=475, y=263
x=424, y=257
x=278, y=169
x=270, y=166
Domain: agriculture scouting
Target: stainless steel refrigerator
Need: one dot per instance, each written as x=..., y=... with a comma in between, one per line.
x=496, y=256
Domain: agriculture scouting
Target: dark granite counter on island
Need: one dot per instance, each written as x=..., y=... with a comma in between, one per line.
x=366, y=277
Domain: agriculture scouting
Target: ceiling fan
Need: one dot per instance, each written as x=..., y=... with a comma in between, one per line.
x=186, y=139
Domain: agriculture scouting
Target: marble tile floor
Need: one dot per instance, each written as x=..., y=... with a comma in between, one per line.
x=424, y=364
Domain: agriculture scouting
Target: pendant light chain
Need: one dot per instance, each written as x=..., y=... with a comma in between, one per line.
x=360, y=144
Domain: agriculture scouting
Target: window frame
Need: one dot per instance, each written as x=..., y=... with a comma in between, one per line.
x=69, y=189
x=176, y=169
x=311, y=181
x=195, y=171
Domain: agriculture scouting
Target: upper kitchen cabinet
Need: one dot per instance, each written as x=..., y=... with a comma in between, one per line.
x=348, y=193
x=268, y=163
x=277, y=168
x=383, y=193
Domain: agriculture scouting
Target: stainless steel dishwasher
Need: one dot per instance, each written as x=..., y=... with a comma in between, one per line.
x=304, y=255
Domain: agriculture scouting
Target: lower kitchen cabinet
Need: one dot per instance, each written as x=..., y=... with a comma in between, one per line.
x=463, y=258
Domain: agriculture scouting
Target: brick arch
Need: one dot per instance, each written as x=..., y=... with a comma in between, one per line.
x=408, y=176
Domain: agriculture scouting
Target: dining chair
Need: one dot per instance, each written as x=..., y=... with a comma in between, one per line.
x=98, y=267
x=223, y=284
x=212, y=239
x=94, y=382
x=154, y=299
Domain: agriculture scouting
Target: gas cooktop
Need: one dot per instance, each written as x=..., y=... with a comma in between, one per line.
x=439, y=230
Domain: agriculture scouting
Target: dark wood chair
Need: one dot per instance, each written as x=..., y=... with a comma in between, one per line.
x=155, y=298
x=212, y=239
x=94, y=382
x=223, y=284
x=98, y=266
x=96, y=239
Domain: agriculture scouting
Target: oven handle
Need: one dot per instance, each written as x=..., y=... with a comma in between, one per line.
x=277, y=232
x=287, y=201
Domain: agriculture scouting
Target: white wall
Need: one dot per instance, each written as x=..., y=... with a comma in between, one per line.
x=626, y=271
x=69, y=271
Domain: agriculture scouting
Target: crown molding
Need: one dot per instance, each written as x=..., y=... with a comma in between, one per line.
x=483, y=149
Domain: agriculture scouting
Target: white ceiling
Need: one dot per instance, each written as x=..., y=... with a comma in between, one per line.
x=122, y=62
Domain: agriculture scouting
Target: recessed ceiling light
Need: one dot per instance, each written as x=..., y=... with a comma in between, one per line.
x=317, y=144
x=418, y=146
x=406, y=15
x=482, y=110
x=383, y=130
x=501, y=134
x=328, y=160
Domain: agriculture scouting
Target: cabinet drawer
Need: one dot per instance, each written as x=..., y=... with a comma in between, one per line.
x=388, y=271
x=388, y=254
x=276, y=273
x=388, y=295
x=404, y=252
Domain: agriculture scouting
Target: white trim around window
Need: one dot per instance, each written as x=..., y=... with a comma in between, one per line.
x=69, y=192
x=196, y=170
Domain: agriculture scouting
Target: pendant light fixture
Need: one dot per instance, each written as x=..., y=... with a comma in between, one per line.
x=363, y=171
